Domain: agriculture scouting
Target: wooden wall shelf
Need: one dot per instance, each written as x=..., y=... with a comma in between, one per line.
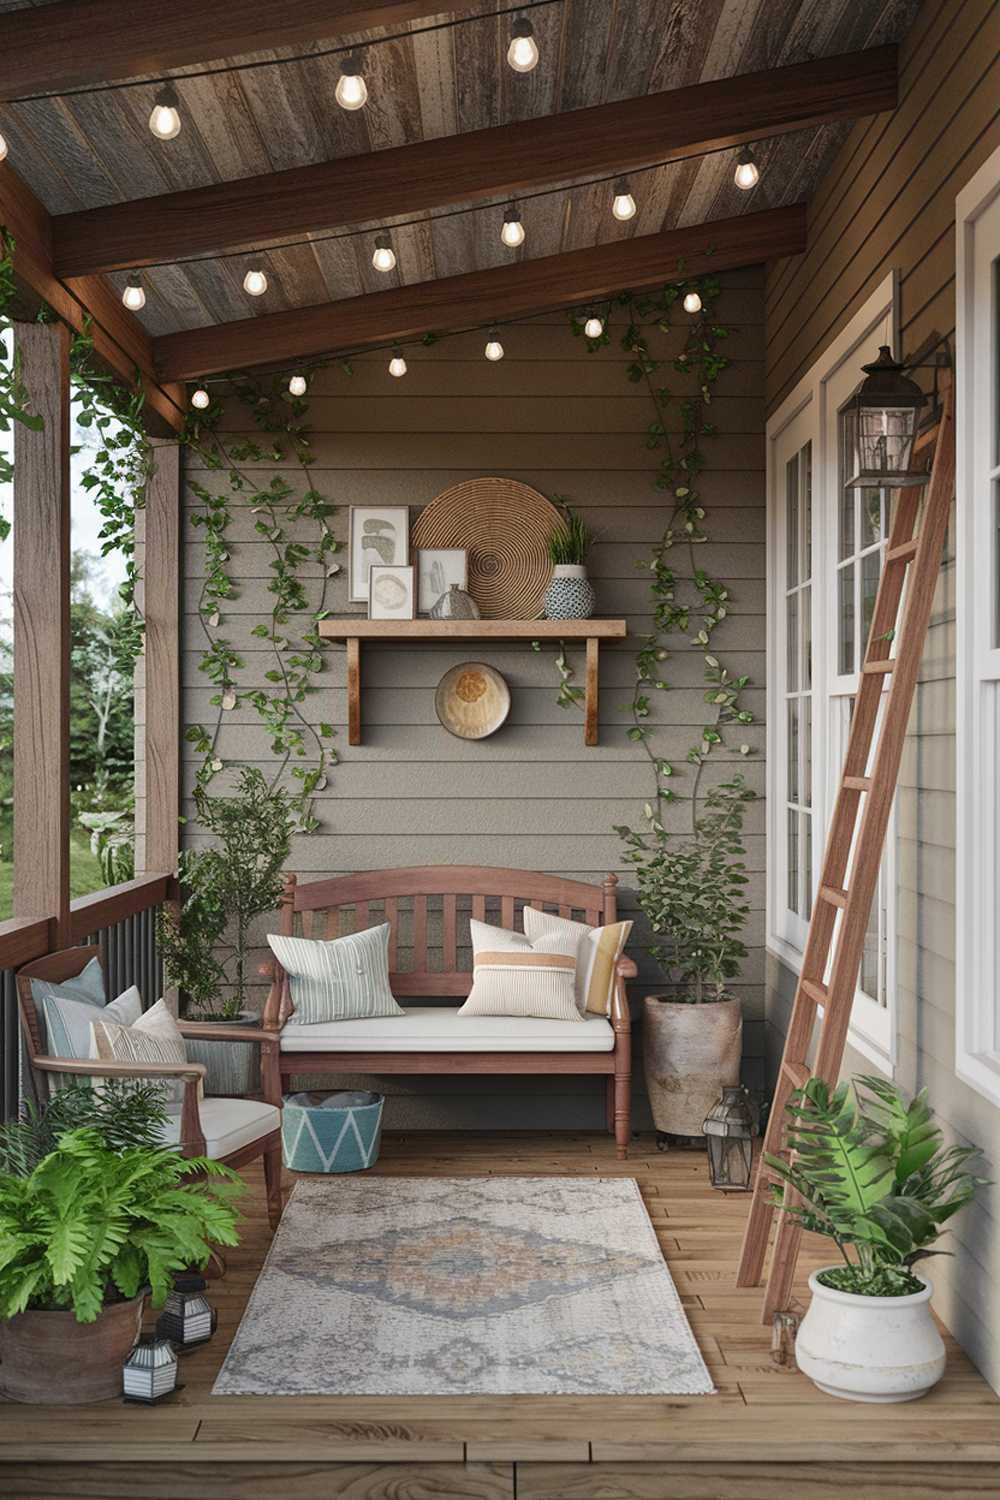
x=353, y=630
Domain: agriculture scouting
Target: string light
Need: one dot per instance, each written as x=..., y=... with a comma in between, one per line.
x=165, y=119
x=747, y=174
x=522, y=54
x=494, y=348
x=512, y=232
x=3, y=147
x=594, y=326
x=397, y=364
x=297, y=386
x=134, y=297
x=384, y=258
x=692, y=303
x=352, y=91
x=201, y=398
x=623, y=204
x=255, y=283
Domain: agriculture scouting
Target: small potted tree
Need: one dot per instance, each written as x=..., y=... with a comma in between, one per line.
x=871, y=1173
x=206, y=944
x=691, y=893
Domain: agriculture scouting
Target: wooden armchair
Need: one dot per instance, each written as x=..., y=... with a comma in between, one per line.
x=233, y=1131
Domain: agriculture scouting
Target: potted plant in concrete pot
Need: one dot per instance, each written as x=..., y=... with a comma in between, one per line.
x=691, y=893
x=872, y=1174
x=206, y=944
x=570, y=595
x=87, y=1229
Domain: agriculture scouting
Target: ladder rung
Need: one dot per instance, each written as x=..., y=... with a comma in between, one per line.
x=798, y=1073
x=883, y=667
x=858, y=783
x=833, y=895
x=904, y=552
x=816, y=992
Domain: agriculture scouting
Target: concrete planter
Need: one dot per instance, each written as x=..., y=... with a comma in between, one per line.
x=49, y=1359
x=870, y=1348
x=690, y=1053
x=233, y=1067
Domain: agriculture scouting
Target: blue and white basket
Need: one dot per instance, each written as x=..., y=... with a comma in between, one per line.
x=339, y=1132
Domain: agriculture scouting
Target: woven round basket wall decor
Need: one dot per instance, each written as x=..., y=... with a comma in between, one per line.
x=505, y=527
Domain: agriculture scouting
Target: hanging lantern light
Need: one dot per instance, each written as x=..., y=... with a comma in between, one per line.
x=512, y=232
x=298, y=385
x=879, y=425
x=134, y=295
x=397, y=364
x=729, y=1132
x=594, y=326
x=187, y=1317
x=384, y=257
x=623, y=203
x=494, y=348
x=692, y=302
x=150, y=1372
x=522, y=54
x=165, y=118
x=351, y=91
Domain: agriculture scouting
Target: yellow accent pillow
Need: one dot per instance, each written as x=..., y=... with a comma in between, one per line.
x=598, y=950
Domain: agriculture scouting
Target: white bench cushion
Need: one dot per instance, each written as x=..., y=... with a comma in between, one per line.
x=442, y=1029
x=228, y=1124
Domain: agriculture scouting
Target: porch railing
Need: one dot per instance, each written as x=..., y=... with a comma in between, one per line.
x=120, y=920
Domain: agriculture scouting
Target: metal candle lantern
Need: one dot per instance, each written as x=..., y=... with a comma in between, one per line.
x=187, y=1317
x=879, y=425
x=729, y=1133
x=150, y=1372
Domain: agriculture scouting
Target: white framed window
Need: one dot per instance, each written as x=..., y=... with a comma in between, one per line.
x=977, y=539
x=826, y=545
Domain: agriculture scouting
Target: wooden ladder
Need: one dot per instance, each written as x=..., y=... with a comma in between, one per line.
x=867, y=786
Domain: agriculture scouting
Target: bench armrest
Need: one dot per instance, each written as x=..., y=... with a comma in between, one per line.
x=209, y=1031
x=626, y=967
x=192, y=1141
x=278, y=1005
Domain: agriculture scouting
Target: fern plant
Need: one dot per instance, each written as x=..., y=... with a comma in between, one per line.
x=124, y=1113
x=872, y=1173
x=90, y=1225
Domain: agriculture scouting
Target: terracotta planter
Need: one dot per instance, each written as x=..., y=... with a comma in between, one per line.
x=690, y=1053
x=49, y=1359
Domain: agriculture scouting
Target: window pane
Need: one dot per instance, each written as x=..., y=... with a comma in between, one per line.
x=807, y=546
x=806, y=752
x=792, y=634
x=792, y=520
x=792, y=860
x=996, y=563
x=793, y=750
x=869, y=959
x=847, y=522
x=845, y=611
x=871, y=567
x=807, y=824
x=872, y=519
x=806, y=638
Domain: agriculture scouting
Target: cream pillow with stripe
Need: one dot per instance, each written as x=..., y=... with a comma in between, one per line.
x=598, y=951
x=513, y=976
x=153, y=1038
x=345, y=979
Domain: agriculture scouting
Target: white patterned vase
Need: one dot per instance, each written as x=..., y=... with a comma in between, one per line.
x=569, y=596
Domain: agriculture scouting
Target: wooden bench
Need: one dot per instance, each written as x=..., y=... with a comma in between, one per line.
x=325, y=909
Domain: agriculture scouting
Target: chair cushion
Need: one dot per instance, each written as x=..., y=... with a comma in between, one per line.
x=68, y=1022
x=441, y=1029
x=229, y=1124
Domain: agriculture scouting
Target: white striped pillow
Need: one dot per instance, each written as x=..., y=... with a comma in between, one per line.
x=346, y=979
x=154, y=1037
x=515, y=977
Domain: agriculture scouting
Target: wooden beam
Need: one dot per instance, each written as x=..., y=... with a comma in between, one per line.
x=120, y=341
x=503, y=292
x=159, y=736
x=41, y=633
x=473, y=168
x=76, y=43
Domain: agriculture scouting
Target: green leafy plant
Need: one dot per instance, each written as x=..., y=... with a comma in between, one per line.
x=112, y=841
x=205, y=946
x=872, y=1173
x=124, y=1113
x=15, y=400
x=571, y=542
x=89, y=1225
x=691, y=893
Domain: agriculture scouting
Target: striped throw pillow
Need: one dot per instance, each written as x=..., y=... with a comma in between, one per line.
x=513, y=976
x=346, y=979
x=598, y=950
x=154, y=1038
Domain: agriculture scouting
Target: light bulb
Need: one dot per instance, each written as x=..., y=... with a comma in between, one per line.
x=494, y=348
x=297, y=385
x=255, y=283
x=165, y=120
x=201, y=398
x=384, y=258
x=623, y=204
x=352, y=91
x=593, y=327
x=692, y=302
x=747, y=175
x=397, y=364
x=134, y=297
x=522, y=54
x=3, y=147
x=512, y=232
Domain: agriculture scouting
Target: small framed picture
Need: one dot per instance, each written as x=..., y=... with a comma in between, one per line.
x=391, y=592
x=438, y=570
x=378, y=534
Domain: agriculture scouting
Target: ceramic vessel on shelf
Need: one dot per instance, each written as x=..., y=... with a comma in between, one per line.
x=456, y=604
x=569, y=595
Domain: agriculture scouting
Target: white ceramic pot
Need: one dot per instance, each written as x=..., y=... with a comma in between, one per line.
x=870, y=1348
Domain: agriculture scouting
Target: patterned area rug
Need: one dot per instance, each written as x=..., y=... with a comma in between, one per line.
x=416, y=1286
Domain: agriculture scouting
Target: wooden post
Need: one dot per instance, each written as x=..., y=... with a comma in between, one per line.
x=159, y=737
x=41, y=633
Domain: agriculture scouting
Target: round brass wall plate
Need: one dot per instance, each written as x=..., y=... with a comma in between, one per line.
x=472, y=700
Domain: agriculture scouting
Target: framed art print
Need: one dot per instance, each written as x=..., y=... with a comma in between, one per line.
x=391, y=595
x=438, y=570
x=378, y=534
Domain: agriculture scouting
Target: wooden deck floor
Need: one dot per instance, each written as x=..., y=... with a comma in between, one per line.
x=765, y=1428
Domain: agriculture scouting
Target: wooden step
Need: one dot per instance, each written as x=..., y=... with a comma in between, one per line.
x=815, y=991
x=905, y=552
x=833, y=895
x=876, y=668
x=858, y=783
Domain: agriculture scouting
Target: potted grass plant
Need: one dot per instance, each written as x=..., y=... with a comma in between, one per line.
x=871, y=1173
x=93, y=1218
x=691, y=892
x=570, y=595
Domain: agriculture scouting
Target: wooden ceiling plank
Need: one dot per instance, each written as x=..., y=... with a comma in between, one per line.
x=82, y=43
x=504, y=160
x=476, y=298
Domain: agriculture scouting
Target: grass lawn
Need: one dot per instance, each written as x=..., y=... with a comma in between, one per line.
x=84, y=874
